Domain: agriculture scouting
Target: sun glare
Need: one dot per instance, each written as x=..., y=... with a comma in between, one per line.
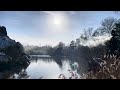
x=57, y=22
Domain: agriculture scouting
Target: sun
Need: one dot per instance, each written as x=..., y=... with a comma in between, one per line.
x=57, y=23
x=57, y=20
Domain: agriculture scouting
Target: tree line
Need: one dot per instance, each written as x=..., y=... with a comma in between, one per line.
x=75, y=48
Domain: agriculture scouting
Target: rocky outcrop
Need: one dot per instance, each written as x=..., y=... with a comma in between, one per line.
x=11, y=52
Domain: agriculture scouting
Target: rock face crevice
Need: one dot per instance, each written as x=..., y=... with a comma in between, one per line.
x=11, y=52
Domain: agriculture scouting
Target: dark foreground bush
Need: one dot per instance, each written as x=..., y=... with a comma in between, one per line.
x=110, y=69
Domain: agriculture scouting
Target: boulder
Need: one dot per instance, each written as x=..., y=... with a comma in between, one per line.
x=10, y=50
x=3, y=31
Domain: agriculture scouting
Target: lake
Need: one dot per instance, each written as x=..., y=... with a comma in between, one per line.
x=45, y=67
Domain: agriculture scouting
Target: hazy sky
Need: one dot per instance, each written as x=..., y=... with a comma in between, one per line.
x=50, y=27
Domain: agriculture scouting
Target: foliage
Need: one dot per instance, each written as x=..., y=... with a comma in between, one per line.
x=73, y=75
x=107, y=25
x=110, y=69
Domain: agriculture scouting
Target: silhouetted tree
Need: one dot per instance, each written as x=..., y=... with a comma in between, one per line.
x=72, y=44
x=117, y=27
x=98, y=32
x=85, y=34
x=108, y=25
x=77, y=42
x=59, y=51
x=90, y=32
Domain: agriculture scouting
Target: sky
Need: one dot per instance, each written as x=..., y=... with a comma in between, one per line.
x=50, y=27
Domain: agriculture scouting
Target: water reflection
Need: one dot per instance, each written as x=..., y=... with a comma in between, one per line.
x=59, y=60
x=50, y=68
x=8, y=71
x=80, y=63
x=45, y=68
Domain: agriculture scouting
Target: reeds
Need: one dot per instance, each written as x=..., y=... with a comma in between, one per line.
x=110, y=69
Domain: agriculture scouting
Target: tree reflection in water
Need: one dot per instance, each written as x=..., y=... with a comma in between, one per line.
x=81, y=66
x=21, y=71
x=58, y=60
x=75, y=63
x=9, y=71
x=23, y=75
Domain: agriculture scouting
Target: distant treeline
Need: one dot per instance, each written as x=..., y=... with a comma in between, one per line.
x=37, y=50
x=76, y=48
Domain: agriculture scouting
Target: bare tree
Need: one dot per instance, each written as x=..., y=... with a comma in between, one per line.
x=108, y=25
x=87, y=33
x=90, y=32
x=96, y=33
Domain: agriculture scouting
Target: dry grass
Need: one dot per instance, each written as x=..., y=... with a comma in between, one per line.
x=110, y=69
x=73, y=75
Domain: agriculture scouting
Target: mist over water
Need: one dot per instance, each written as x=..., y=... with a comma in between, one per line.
x=95, y=41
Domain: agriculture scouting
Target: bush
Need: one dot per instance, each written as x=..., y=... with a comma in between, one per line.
x=110, y=69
